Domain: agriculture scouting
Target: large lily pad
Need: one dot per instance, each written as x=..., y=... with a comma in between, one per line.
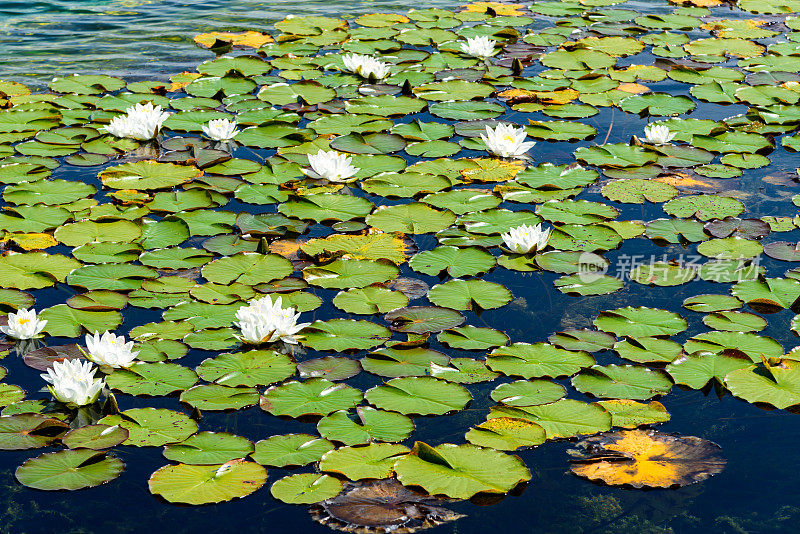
x=460, y=471
x=375, y=460
x=290, y=449
x=537, y=360
x=422, y=395
x=205, y=484
x=152, y=427
x=69, y=470
x=315, y=396
x=622, y=381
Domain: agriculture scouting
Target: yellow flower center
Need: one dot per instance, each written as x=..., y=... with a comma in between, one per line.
x=508, y=139
x=24, y=320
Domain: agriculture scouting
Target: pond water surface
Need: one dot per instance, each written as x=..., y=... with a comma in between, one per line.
x=756, y=493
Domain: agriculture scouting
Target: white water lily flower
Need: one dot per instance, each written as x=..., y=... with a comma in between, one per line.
x=142, y=122
x=506, y=141
x=220, y=129
x=23, y=325
x=481, y=47
x=265, y=321
x=331, y=166
x=366, y=66
x=73, y=382
x=658, y=134
x=110, y=349
x=524, y=239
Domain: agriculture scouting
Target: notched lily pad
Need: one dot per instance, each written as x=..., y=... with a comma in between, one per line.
x=69, y=470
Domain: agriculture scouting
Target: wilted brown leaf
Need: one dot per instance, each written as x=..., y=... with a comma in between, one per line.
x=647, y=458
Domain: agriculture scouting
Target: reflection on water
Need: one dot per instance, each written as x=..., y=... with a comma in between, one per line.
x=140, y=39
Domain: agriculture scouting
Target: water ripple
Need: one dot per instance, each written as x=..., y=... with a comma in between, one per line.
x=141, y=39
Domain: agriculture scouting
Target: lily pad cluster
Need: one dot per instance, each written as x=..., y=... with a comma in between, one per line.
x=399, y=262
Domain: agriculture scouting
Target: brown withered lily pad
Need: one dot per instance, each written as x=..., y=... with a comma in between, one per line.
x=381, y=506
x=647, y=458
x=42, y=359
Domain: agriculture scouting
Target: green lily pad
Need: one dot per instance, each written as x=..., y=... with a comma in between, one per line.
x=640, y=321
x=735, y=321
x=776, y=385
x=423, y=319
x=344, y=334
x=770, y=293
x=330, y=368
x=460, y=471
x=148, y=175
x=528, y=393
x=466, y=294
x=290, y=449
x=561, y=419
x=749, y=343
x=456, y=261
x=29, y=431
x=645, y=349
x=69, y=470
x=712, y=303
x=343, y=273
x=472, y=338
x=96, y=437
x=209, y=448
x=588, y=284
x=315, y=396
x=251, y=368
x=247, y=268
x=421, y=395
x=615, y=155
x=583, y=339
x=537, y=360
x=216, y=397
x=152, y=379
x=397, y=362
x=704, y=207
x=206, y=484
x=463, y=371
x=414, y=218
x=372, y=425
x=34, y=270
x=637, y=191
x=369, y=300
x=306, y=488
x=506, y=434
x=152, y=427
x=662, y=274
x=696, y=370
x=622, y=381
x=375, y=460
x=632, y=414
